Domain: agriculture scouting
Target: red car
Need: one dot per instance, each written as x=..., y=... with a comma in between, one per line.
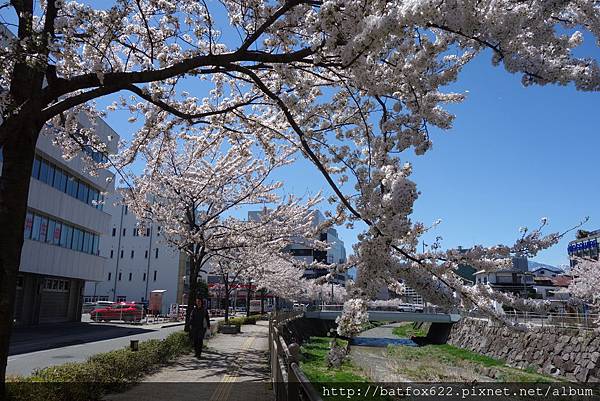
x=129, y=312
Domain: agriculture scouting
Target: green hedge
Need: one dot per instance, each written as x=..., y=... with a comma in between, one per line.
x=100, y=374
x=238, y=321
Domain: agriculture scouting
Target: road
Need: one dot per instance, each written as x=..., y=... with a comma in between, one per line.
x=26, y=363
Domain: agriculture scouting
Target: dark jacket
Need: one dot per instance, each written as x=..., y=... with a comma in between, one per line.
x=199, y=320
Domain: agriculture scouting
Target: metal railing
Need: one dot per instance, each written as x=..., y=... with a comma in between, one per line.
x=570, y=320
x=289, y=383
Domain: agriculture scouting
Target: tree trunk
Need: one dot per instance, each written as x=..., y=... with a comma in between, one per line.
x=226, y=284
x=194, y=267
x=248, y=295
x=19, y=136
x=262, y=301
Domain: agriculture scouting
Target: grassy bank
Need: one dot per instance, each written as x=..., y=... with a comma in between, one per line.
x=314, y=365
x=448, y=363
x=102, y=373
x=409, y=330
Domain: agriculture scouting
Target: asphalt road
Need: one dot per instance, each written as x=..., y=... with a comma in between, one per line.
x=26, y=363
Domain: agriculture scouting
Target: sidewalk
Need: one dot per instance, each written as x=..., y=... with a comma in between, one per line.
x=233, y=367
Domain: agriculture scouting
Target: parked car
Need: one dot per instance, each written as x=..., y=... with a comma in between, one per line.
x=406, y=308
x=129, y=312
x=90, y=306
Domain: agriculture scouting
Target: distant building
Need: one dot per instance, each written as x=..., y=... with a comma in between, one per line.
x=301, y=250
x=546, y=272
x=63, y=227
x=585, y=246
x=138, y=260
x=552, y=288
x=512, y=281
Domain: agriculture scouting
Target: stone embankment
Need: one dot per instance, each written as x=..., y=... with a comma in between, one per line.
x=568, y=353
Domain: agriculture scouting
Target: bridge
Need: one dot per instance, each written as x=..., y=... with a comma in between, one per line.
x=390, y=316
x=439, y=329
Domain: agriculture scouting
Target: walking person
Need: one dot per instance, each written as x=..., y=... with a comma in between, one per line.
x=199, y=323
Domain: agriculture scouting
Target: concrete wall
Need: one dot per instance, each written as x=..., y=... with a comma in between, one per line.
x=568, y=353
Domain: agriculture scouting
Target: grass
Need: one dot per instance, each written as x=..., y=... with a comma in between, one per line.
x=349, y=377
x=410, y=330
x=448, y=363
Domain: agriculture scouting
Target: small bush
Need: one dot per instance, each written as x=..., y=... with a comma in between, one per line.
x=100, y=374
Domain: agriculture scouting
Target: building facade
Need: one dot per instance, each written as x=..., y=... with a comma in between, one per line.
x=587, y=245
x=138, y=260
x=63, y=227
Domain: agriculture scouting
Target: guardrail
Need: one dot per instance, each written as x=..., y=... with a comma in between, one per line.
x=289, y=383
x=570, y=320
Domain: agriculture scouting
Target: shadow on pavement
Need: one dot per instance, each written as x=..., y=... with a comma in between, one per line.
x=31, y=339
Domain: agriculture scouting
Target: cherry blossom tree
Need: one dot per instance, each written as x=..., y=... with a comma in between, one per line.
x=585, y=286
x=191, y=189
x=348, y=83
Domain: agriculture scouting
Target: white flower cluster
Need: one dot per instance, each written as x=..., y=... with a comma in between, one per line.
x=353, y=317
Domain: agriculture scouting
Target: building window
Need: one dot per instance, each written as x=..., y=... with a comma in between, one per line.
x=109, y=276
x=119, y=276
x=111, y=253
x=155, y=275
x=132, y=253
x=28, y=225
x=55, y=285
x=55, y=232
x=121, y=254
x=50, y=174
x=121, y=298
x=147, y=232
x=146, y=254
x=158, y=232
x=130, y=276
x=144, y=277
x=136, y=232
x=156, y=253
x=114, y=232
x=124, y=230
x=126, y=209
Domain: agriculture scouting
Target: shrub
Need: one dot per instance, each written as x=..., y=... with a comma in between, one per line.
x=101, y=373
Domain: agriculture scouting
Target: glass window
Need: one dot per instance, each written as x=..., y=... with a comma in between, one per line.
x=43, y=229
x=72, y=186
x=57, y=232
x=95, y=239
x=93, y=198
x=35, y=173
x=80, y=243
x=51, y=171
x=55, y=284
x=50, y=230
x=63, y=237
x=77, y=236
x=67, y=284
x=44, y=171
x=82, y=192
x=87, y=242
x=28, y=225
x=58, y=174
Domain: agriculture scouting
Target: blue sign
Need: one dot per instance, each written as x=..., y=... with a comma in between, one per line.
x=583, y=246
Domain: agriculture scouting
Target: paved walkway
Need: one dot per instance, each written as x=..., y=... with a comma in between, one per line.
x=232, y=367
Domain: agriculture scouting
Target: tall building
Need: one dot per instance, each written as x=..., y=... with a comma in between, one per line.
x=139, y=260
x=64, y=223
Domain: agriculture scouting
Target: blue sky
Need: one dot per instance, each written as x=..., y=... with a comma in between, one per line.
x=515, y=155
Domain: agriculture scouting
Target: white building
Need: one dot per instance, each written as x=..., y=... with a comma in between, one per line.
x=513, y=280
x=64, y=223
x=138, y=261
x=546, y=272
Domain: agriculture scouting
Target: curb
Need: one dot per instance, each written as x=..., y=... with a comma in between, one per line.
x=172, y=325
